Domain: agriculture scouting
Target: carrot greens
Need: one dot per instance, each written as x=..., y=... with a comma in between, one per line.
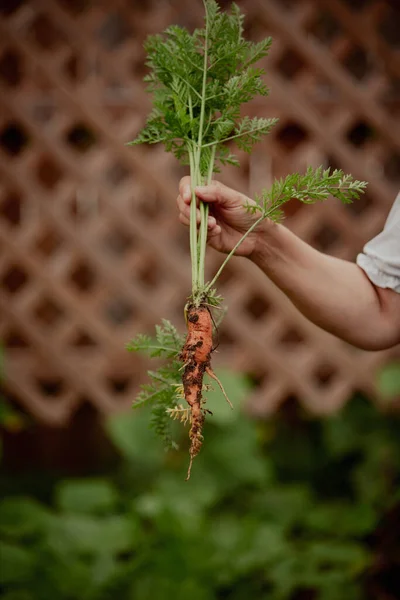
x=199, y=83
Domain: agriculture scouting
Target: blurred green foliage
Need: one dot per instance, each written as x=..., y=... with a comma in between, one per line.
x=389, y=381
x=9, y=418
x=283, y=509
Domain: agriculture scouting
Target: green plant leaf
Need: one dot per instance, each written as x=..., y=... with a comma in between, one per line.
x=86, y=496
x=349, y=520
x=17, y=564
x=22, y=517
x=135, y=441
x=286, y=504
x=18, y=595
x=234, y=454
x=96, y=536
x=389, y=381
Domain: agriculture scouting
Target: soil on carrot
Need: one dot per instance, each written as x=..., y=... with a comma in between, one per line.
x=196, y=358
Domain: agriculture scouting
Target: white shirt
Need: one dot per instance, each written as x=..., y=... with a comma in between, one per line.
x=381, y=256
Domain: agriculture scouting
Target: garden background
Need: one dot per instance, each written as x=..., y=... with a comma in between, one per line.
x=286, y=501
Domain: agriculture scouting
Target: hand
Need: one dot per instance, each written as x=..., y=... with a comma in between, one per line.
x=228, y=219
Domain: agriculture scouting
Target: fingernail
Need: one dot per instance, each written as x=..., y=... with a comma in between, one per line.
x=187, y=192
x=211, y=221
x=201, y=189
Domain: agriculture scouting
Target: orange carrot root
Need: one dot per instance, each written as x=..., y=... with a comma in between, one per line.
x=196, y=356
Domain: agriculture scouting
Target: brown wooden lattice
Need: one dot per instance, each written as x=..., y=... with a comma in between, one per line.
x=91, y=252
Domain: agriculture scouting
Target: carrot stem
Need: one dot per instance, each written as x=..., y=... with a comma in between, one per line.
x=232, y=252
x=193, y=225
x=204, y=211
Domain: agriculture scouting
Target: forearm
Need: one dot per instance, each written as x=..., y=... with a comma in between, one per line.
x=332, y=293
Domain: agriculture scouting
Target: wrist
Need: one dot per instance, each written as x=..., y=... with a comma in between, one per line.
x=266, y=241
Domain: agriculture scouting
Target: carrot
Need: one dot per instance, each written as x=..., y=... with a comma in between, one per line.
x=196, y=357
x=199, y=130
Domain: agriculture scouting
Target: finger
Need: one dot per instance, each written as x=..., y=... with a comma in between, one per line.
x=182, y=205
x=214, y=232
x=185, y=197
x=184, y=208
x=211, y=223
x=185, y=189
x=221, y=194
x=184, y=220
x=186, y=213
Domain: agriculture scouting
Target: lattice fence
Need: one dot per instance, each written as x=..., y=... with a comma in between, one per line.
x=91, y=250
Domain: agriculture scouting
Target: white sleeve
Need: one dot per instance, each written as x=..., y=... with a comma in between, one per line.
x=381, y=256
